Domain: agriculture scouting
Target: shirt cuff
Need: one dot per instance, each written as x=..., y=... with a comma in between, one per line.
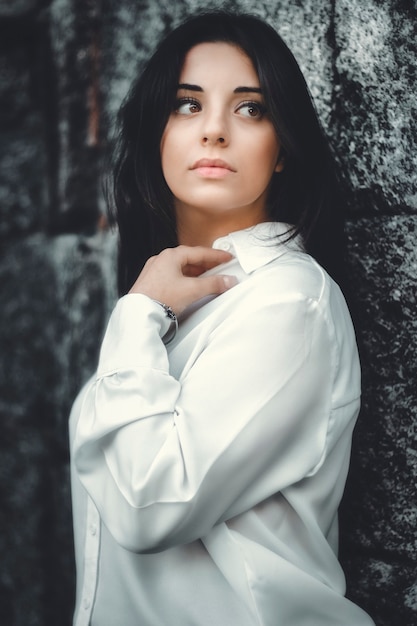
x=134, y=336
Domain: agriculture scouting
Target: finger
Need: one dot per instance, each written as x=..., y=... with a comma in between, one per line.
x=204, y=258
x=196, y=270
x=192, y=270
x=212, y=285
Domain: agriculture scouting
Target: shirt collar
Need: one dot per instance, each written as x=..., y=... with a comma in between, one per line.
x=258, y=245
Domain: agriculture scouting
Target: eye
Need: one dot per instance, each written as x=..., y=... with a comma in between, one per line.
x=187, y=106
x=255, y=110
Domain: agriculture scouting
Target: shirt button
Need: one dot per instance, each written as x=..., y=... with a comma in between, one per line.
x=93, y=529
x=224, y=245
x=86, y=603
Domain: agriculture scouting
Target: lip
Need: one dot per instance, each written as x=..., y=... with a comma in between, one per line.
x=203, y=164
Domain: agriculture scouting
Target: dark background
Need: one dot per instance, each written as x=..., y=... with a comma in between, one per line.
x=65, y=65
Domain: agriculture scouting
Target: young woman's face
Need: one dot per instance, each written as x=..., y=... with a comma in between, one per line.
x=219, y=149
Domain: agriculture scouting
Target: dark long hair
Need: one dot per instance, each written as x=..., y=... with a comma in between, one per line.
x=305, y=194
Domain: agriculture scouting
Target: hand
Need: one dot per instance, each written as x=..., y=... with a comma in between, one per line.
x=173, y=276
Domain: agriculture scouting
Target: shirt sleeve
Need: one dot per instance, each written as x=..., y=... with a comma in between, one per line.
x=165, y=460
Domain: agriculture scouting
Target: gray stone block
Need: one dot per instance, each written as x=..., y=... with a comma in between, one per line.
x=395, y=602
x=384, y=273
x=376, y=60
x=20, y=8
x=378, y=518
x=23, y=158
x=57, y=294
x=22, y=182
x=75, y=45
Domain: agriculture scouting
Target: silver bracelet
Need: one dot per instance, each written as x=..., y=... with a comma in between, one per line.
x=172, y=330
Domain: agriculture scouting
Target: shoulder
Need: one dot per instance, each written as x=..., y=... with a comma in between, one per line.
x=292, y=275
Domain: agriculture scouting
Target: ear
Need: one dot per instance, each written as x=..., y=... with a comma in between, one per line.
x=280, y=164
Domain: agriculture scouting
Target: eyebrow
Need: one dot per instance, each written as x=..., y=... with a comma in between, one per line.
x=188, y=87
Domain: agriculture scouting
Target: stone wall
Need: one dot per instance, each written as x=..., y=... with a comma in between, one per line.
x=65, y=65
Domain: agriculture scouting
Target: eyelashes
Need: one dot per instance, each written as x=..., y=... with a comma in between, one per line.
x=250, y=108
x=187, y=106
x=255, y=110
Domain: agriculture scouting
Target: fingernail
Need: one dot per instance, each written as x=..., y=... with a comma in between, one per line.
x=230, y=281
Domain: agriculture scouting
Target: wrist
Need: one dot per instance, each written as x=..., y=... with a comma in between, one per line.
x=173, y=327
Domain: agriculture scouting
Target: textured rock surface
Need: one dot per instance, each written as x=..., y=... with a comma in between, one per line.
x=50, y=330
x=375, y=45
x=380, y=509
x=65, y=66
x=23, y=180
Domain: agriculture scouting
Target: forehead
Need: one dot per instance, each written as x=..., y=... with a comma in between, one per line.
x=218, y=60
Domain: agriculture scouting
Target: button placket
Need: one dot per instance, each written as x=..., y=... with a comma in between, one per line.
x=92, y=544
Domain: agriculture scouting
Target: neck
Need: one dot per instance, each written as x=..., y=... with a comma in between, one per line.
x=196, y=229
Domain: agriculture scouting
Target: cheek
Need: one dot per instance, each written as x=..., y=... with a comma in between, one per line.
x=265, y=160
x=265, y=148
x=271, y=152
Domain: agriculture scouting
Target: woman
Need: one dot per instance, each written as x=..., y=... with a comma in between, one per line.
x=210, y=451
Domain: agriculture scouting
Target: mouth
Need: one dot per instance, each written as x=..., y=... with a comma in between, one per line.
x=212, y=168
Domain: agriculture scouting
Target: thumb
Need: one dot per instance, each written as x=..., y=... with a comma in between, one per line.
x=214, y=285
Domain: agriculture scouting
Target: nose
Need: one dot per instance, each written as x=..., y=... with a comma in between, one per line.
x=212, y=140
x=215, y=130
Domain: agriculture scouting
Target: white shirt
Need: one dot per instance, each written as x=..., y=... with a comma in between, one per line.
x=206, y=474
